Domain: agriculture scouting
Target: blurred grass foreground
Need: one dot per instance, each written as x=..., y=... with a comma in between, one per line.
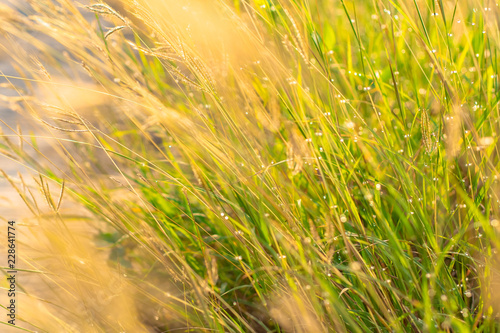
x=254, y=165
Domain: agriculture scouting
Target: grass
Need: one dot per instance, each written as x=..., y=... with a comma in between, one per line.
x=265, y=166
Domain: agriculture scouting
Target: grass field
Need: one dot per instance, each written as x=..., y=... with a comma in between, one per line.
x=261, y=166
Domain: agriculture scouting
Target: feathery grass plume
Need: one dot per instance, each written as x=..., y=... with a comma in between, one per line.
x=453, y=129
x=297, y=37
x=295, y=314
x=489, y=278
x=426, y=132
x=113, y=30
